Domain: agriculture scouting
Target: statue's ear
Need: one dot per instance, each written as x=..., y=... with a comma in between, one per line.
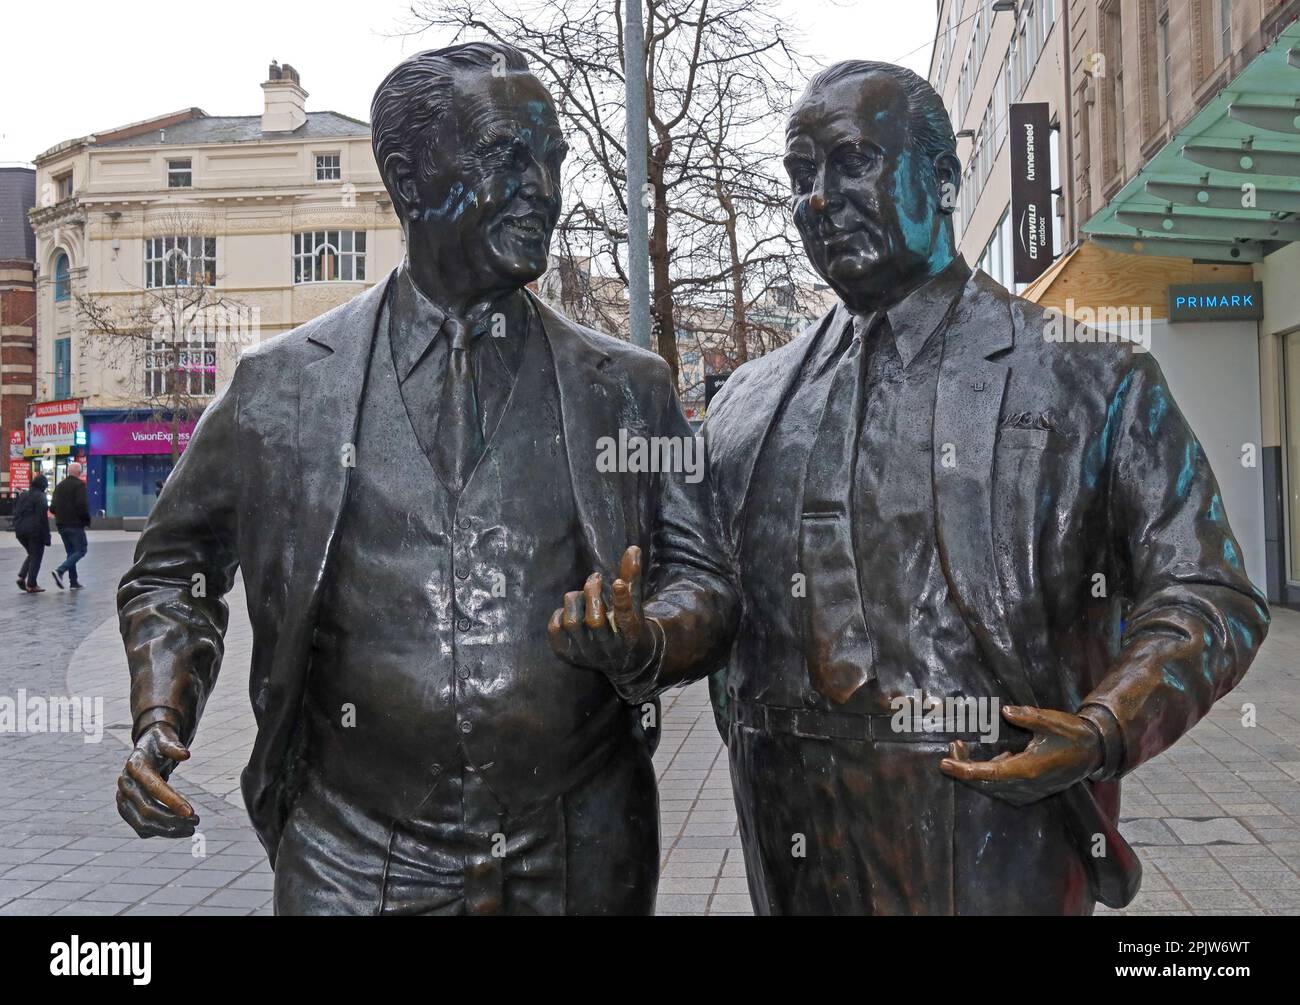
x=947, y=177
x=399, y=179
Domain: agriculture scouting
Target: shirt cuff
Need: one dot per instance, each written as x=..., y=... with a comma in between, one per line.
x=642, y=683
x=151, y=716
x=1112, y=740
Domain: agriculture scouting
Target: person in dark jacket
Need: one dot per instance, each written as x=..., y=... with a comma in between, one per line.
x=32, y=528
x=71, y=517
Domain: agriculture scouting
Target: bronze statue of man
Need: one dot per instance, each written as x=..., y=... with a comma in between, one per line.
x=922, y=495
x=420, y=749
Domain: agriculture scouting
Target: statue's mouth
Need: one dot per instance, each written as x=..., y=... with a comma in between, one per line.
x=530, y=225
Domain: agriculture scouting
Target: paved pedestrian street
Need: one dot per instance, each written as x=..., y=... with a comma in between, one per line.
x=1216, y=820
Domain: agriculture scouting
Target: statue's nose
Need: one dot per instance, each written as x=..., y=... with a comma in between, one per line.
x=817, y=202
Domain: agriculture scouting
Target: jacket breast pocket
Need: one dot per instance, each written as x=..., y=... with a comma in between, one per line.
x=1019, y=437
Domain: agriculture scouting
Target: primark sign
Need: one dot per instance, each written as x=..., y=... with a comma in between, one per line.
x=1216, y=302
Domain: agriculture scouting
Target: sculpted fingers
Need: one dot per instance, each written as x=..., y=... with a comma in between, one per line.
x=147, y=817
x=595, y=619
x=556, y=633
x=629, y=570
x=139, y=770
x=572, y=618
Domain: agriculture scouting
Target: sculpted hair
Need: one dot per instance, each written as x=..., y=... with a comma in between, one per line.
x=930, y=128
x=414, y=97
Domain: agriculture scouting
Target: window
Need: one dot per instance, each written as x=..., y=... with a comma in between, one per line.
x=180, y=261
x=1166, y=67
x=325, y=256
x=1111, y=86
x=1225, y=29
x=182, y=366
x=62, y=368
x=328, y=168
x=62, y=279
x=63, y=186
x=179, y=173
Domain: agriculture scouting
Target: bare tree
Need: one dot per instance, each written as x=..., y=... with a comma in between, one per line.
x=718, y=82
x=166, y=336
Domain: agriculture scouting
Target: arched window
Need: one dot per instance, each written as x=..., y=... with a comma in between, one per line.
x=62, y=281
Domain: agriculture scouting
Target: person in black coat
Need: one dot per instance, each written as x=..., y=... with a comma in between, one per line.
x=32, y=528
x=71, y=510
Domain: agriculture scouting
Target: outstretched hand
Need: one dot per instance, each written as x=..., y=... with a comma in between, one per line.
x=610, y=635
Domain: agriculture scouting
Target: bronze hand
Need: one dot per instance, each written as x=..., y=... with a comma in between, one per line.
x=144, y=799
x=1065, y=750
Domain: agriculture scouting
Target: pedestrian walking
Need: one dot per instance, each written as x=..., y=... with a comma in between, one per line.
x=71, y=516
x=32, y=528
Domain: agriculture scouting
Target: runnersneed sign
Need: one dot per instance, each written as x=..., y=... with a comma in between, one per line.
x=52, y=427
x=1031, y=190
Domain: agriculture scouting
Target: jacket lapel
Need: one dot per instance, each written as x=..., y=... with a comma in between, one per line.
x=592, y=402
x=968, y=404
x=329, y=401
x=736, y=444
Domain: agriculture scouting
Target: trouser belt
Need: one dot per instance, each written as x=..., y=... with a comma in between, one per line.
x=815, y=723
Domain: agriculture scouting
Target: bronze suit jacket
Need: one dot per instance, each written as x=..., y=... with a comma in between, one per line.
x=261, y=486
x=1070, y=460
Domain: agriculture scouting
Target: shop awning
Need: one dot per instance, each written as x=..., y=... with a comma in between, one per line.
x=1226, y=188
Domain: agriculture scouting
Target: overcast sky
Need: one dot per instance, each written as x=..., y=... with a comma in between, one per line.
x=96, y=65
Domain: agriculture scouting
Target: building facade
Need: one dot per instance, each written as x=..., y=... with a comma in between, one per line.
x=17, y=319
x=988, y=56
x=1161, y=111
x=247, y=225
x=1187, y=182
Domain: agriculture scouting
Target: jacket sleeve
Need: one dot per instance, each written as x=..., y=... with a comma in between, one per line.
x=170, y=606
x=689, y=589
x=83, y=503
x=1195, y=620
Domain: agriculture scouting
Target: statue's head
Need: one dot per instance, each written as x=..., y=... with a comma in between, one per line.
x=874, y=169
x=469, y=147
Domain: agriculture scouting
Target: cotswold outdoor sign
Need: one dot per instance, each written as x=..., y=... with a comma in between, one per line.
x=1216, y=302
x=1031, y=190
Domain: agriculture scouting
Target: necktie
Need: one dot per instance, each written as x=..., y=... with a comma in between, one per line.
x=838, y=647
x=459, y=441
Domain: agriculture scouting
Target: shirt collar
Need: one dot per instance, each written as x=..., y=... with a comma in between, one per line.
x=418, y=321
x=916, y=317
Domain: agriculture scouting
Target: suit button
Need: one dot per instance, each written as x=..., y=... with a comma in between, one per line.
x=463, y=673
x=462, y=574
x=464, y=523
x=463, y=624
x=467, y=727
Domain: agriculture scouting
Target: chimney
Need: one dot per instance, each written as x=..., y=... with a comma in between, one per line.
x=286, y=102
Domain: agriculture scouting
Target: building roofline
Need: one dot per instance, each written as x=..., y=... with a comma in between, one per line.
x=123, y=132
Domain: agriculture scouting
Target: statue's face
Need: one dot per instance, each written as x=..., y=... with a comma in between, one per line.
x=493, y=198
x=865, y=203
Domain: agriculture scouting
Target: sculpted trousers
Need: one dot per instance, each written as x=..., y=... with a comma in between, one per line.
x=593, y=850
x=851, y=827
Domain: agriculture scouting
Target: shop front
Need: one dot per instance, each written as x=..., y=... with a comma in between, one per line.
x=130, y=457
